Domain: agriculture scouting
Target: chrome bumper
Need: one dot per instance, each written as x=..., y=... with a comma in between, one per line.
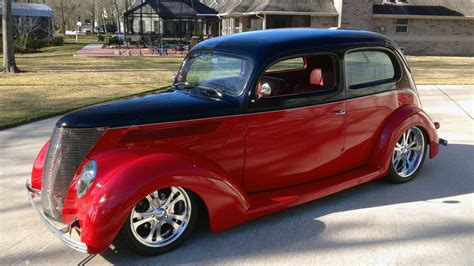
x=65, y=234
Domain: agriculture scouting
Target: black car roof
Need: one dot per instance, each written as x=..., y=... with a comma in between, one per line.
x=268, y=43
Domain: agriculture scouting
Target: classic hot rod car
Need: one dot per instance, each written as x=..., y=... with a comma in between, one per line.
x=254, y=123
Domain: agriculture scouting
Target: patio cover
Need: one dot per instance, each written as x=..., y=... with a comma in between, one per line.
x=172, y=9
x=29, y=10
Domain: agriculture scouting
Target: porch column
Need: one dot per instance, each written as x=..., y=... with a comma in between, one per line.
x=264, y=24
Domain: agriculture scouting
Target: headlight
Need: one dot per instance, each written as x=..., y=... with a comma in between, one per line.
x=87, y=177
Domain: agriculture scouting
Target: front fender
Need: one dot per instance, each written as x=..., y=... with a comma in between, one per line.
x=401, y=120
x=126, y=176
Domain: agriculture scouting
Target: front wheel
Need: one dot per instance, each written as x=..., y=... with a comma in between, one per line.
x=408, y=156
x=161, y=221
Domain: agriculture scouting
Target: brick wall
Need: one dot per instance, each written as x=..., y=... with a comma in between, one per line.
x=324, y=22
x=431, y=36
x=245, y=23
x=428, y=26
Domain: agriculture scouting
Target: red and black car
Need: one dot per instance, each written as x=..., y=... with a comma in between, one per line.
x=254, y=123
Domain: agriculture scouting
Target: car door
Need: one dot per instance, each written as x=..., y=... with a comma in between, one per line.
x=297, y=135
x=372, y=77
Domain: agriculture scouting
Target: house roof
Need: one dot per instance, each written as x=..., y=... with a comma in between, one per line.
x=169, y=9
x=29, y=10
x=448, y=8
x=268, y=6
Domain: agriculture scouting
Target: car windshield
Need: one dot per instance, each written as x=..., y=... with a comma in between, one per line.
x=223, y=73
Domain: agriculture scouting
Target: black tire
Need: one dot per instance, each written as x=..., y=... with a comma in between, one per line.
x=135, y=245
x=394, y=176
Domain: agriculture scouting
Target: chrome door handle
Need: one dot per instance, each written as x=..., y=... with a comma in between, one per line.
x=340, y=112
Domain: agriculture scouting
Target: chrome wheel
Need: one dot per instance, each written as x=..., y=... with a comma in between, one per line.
x=409, y=152
x=162, y=217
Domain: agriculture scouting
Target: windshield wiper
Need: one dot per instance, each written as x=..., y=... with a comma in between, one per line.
x=184, y=85
x=216, y=91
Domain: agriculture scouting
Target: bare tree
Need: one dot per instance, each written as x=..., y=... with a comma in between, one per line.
x=115, y=10
x=9, y=64
x=117, y=13
x=25, y=26
x=92, y=12
x=64, y=10
x=103, y=15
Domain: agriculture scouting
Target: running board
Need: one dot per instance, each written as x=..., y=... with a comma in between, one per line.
x=263, y=203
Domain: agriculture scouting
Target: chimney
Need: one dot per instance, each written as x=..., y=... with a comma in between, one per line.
x=355, y=14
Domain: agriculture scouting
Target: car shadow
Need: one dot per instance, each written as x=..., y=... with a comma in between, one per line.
x=301, y=228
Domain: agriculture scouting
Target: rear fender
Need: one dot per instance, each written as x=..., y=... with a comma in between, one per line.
x=127, y=176
x=401, y=120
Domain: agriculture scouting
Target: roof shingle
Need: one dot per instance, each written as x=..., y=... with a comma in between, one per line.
x=456, y=8
x=246, y=6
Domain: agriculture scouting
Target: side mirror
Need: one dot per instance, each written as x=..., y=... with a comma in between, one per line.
x=265, y=90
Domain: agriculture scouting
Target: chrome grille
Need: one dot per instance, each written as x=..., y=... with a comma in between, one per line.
x=68, y=148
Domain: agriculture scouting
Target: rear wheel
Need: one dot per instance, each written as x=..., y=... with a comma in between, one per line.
x=408, y=156
x=161, y=221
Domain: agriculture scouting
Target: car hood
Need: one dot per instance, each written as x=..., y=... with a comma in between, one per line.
x=149, y=109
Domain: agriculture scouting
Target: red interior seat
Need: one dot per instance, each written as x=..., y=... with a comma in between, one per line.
x=314, y=83
x=316, y=77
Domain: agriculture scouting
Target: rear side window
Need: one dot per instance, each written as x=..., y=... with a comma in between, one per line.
x=365, y=67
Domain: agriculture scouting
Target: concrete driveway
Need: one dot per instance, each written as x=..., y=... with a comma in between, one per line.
x=429, y=220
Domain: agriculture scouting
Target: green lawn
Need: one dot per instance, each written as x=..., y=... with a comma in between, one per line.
x=442, y=70
x=55, y=82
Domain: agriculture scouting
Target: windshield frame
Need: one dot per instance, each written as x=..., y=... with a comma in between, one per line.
x=228, y=54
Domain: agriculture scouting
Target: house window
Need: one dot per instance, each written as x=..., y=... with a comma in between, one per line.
x=142, y=26
x=237, y=27
x=276, y=22
x=256, y=23
x=402, y=26
x=156, y=26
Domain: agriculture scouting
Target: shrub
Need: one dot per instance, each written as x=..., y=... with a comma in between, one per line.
x=114, y=40
x=100, y=38
x=31, y=44
x=57, y=41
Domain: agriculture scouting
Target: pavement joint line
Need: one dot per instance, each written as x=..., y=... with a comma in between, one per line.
x=87, y=259
x=460, y=107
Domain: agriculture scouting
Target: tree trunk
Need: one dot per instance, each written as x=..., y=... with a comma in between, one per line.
x=63, y=18
x=9, y=65
x=117, y=14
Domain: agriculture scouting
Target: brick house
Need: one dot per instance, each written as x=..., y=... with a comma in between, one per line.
x=441, y=27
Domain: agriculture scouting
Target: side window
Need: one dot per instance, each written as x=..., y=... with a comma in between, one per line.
x=363, y=67
x=299, y=75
